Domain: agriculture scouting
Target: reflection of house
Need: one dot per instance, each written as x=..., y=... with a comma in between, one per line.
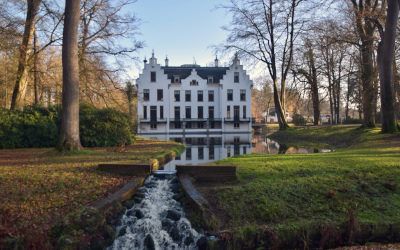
x=201, y=149
x=271, y=117
x=190, y=99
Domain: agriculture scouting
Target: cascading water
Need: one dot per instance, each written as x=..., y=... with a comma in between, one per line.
x=157, y=220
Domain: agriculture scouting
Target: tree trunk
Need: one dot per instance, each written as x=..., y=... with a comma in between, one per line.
x=314, y=86
x=368, y=90
x=69, y=132
x=21, y=83
x=346, y=113
x=396, y=76
x=280, y=113
x=36, y=78
x=385, y=59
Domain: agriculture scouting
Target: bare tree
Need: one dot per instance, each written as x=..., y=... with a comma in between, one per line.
x=265, y=30
x=103, y=28
x=386, y=50
x=21, y=81
x=308, y=70
x=364, y=11
x=69, y=132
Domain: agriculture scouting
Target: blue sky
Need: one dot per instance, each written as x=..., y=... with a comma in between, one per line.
x=181, y=29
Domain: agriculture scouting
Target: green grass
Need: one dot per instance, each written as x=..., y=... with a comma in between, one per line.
x=293, y=194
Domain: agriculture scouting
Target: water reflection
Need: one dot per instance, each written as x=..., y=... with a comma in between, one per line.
x=203, y=149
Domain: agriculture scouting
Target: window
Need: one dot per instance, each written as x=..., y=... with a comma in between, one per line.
x=201, y=153
x=177, y=79
x=236, y=77
x=236, y=112
x=187, y=96
x=242, y=95
x=146, y=95
x=244, y=112
x=200, y=95
x=145, y=112
x=153, y=77
x=188, y=153
x=188, y=112
x=210, y=79
x=236, y=125
x=153, y=117
x=153, y=114
x=177, y=113
x=211, y=112
x=211, y=153
x=236, y=150
x=200, y=112
x=161, y=112
x=229, y=96
x=211, y=95
x=229, y=152
x=177, y=95
x=194, y=83
x=228, y=112
x=244, y=150
x=160, y=95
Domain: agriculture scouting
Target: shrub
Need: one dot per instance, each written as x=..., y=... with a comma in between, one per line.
x=104, y=127
x=299, y=120
x=38, y=127
x=29, y=128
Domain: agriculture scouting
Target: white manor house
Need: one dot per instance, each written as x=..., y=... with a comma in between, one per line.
x=191, y=99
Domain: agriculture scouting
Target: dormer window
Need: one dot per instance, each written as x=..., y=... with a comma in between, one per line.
x=177, y=79
x=210, y=79
x=194, y=83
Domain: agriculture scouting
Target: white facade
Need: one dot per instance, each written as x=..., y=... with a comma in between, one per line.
x=169, y=99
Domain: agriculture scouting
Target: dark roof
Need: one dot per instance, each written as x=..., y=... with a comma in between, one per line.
x=184, y=71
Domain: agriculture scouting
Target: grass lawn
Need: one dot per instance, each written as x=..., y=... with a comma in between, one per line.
x=40, y=186
x=352, y=194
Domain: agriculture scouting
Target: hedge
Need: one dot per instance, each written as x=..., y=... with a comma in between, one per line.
x=39, y=127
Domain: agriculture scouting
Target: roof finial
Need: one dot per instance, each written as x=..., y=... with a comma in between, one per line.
x=166, y=61
x=216, y=60
x=152, y=54
x=236, y=59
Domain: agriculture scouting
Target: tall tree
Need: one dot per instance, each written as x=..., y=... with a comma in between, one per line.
x=364, y=11
x=21, y=83
x=386, y=49
x=309, y=72
x=69, y=132
x=265, y=30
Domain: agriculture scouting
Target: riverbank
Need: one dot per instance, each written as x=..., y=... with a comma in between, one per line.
x=350, y=196
x=40, y=186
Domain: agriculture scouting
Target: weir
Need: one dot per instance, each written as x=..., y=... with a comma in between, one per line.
x=156, y=219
